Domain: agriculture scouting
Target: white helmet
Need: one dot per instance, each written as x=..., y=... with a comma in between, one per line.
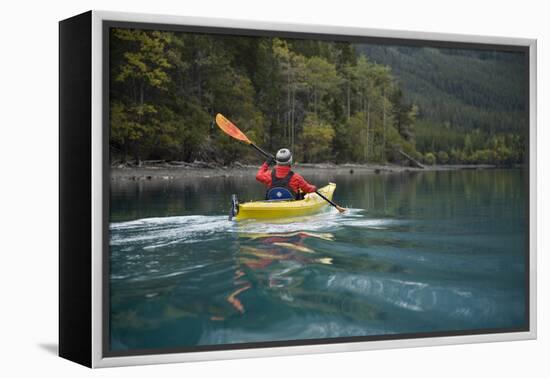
x=283, y=157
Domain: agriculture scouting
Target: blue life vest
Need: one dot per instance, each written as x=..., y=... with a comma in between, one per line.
x=280, y=188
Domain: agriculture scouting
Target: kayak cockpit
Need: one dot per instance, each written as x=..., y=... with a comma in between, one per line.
x=279, y=209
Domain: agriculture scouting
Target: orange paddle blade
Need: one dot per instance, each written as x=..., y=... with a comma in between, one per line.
x=229, y=128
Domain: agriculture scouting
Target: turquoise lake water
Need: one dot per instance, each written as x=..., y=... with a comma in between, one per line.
x=415, y=253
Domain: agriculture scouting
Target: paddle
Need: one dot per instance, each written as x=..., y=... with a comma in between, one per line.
x=230, y=129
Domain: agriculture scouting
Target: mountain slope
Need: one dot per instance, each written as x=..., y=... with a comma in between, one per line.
x=463, y=89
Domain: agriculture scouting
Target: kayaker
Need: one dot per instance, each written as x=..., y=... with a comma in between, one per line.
x=282, y=183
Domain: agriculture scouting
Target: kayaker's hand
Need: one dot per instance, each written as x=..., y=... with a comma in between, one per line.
x=271, y=161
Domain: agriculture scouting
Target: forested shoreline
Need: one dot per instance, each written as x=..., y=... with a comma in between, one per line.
x=327, y=101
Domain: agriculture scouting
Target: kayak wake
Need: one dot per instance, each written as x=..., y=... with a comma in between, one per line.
x=151, y=233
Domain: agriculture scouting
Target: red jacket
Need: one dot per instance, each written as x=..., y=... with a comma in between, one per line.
x=296, y=183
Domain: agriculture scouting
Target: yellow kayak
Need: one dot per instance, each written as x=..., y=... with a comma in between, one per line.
x=311, y=204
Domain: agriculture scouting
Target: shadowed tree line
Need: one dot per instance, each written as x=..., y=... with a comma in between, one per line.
x=326, y=101
x=472, y=103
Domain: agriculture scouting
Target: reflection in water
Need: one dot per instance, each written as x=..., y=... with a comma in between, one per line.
x=232, y=298
x=288, y=248
x=415, y=253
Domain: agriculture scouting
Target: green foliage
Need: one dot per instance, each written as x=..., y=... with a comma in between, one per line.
x=139, y=124
x=404, y=115
x=442, y=157
x=356, y=137
x=466, y=100
x=316, y=140
x=469, y=146
x=484, y=157
x=146, y=63
x=321, y=79
x=429, y=158
x=324, y=100
x=462, y=88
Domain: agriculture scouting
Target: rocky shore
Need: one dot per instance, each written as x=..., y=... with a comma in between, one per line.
x=155, y=170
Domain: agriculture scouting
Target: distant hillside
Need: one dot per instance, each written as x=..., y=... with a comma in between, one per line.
x=462, y=89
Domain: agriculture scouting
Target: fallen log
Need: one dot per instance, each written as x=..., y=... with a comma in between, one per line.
x=414, y=162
